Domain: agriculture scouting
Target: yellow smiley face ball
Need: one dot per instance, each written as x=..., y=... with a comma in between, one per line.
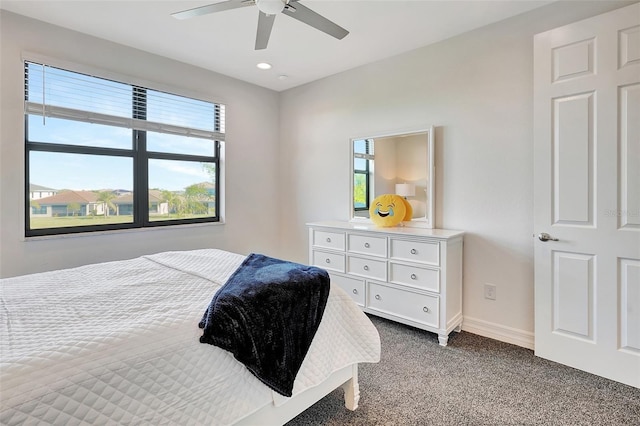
x=387, y=210
x=409, y=210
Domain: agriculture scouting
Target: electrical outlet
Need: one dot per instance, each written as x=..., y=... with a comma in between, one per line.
x=490, y=291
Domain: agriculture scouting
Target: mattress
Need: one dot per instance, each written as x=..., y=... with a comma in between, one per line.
x=118, y=343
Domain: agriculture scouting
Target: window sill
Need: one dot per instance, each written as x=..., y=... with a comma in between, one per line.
x=121, y=231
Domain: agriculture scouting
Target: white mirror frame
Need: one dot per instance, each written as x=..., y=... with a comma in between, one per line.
x=424, y=222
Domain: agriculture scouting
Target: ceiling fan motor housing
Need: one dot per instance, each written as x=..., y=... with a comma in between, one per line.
x=271, y=7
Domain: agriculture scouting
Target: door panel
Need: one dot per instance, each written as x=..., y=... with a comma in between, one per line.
x=573, y=284
x=629, y=176
x=628, y=46
x=587, y=194
x=629, y=302
x=573, y=130
x=573, y=60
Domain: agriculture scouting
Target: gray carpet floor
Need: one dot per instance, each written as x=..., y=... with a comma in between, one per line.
x=472, y=381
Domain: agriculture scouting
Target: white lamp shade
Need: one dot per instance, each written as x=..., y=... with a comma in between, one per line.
x=405, y=189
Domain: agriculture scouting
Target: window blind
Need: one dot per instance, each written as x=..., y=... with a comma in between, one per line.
x=363, y=148
x=58, y=93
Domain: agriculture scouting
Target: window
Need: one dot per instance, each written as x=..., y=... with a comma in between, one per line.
x=362, y=170
x=117, y=155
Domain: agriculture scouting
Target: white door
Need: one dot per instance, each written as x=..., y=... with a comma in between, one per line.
x=587, y=194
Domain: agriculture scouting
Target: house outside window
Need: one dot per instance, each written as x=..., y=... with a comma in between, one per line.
x=104, y=154
x=38, y=191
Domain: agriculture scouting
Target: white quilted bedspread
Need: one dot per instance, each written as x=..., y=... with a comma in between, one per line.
x=117, y=343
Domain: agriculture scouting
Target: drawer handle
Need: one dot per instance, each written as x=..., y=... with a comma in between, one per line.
x=366, y=245
x=414, y=251
x=425, y=309
x=414, y=277
x=328, y=239
x=366, y=267
x=355, y=291
x=378, y=297
x=327, y=260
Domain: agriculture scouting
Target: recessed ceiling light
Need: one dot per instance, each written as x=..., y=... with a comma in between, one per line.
x=264, y=66
x=282, y=77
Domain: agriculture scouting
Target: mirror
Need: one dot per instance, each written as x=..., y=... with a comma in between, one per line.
x=397, y=163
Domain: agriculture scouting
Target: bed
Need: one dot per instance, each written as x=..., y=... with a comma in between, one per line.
x=118, y=343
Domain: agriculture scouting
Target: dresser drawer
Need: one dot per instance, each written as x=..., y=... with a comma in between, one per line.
x=415, y=251
x=405, y=304
x=328, y=239
x=353, y=286
x=328, y=261
x=374, y=246
x=370, y=268
x=424, y=278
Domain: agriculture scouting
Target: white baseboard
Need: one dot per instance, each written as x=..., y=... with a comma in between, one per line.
x=499, y=332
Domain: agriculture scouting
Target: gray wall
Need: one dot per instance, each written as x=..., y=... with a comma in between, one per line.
x=251, y=154
x=291, y=165
x=477, y=90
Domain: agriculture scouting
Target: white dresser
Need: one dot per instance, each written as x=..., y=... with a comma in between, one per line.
x=409, y=275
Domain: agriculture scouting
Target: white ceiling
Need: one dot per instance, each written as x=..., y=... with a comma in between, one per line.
x=224, y=41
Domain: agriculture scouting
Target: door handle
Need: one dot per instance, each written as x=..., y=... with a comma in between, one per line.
x=546, y=237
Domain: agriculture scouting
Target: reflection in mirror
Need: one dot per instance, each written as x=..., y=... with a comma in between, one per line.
x=363, y=157
x=399, y=163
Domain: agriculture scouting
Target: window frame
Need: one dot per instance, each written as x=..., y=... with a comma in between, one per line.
x=137, y=152
x=365, y=173
x=369, y=157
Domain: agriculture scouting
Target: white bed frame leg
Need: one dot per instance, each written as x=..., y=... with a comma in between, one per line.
x=352, y=390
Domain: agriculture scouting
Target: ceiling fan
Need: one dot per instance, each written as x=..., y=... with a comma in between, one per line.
x=268, y=11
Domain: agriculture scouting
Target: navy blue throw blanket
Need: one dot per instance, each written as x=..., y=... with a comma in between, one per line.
x=266, y=315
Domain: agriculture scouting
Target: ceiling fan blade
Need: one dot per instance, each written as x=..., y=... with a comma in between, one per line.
x=212, y=8
x=319, y=22
x=265, y=23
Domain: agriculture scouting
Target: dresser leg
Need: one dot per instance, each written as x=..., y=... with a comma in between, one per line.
x=443, y=339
